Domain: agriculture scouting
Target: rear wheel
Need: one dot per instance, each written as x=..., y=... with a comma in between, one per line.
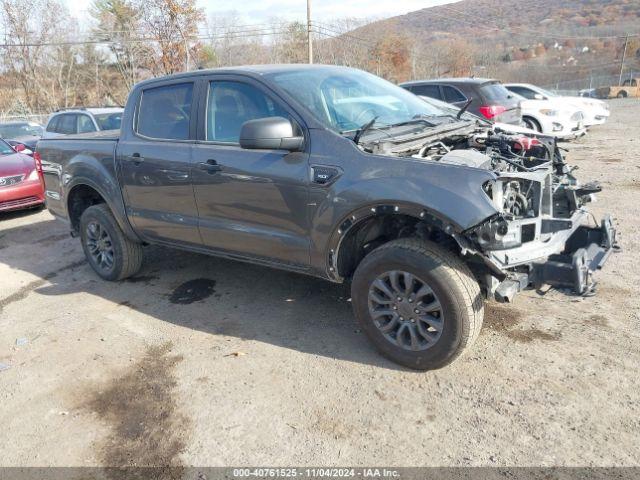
x=418, y=303
x=622, y=94
x=109, y=252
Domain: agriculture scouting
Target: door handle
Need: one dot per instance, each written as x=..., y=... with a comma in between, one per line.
x=136, y=158
x=210, y=166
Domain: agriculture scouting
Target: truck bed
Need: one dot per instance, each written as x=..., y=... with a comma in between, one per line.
x=87, y=158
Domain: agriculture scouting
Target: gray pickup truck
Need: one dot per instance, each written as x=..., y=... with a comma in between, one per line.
x=336, y=173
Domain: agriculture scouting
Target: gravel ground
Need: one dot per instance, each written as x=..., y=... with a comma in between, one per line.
x=207, y=362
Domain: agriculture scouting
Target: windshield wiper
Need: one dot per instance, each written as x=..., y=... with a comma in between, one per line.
x=464, y=108
x=363, y=129
x=419, y=118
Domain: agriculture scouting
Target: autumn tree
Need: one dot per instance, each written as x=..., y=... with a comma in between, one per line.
x=119, y=24
x=173, y=27
x=31, y=25
x=391, y=57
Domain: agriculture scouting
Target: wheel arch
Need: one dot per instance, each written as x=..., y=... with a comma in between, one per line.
x=82, y=194
x=370, y=226
x=536, y=122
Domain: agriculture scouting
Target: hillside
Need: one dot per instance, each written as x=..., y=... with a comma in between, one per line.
x=575, y=39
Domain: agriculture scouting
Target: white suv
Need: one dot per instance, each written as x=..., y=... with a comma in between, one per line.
x=83, y=120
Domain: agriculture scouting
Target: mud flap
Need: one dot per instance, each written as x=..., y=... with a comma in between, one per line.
x=585, y=252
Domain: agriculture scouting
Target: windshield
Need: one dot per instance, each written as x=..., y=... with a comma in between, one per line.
x=5, y=148
x=344, y=100
x=20, y=130
x=109, y=121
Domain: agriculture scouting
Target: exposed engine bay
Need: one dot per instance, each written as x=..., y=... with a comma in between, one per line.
x=538, y=234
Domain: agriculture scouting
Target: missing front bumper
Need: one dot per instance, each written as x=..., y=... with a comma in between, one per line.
x=586, y=251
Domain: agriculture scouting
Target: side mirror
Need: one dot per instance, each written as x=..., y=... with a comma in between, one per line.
x=538, y=96
x=271, y=133
x=19, y=147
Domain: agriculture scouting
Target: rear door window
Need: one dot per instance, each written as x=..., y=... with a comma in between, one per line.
x=165, y=112
x=452, y=94
x=432, y=91
x=495, y=92
x=85, y=124
x=524, y=92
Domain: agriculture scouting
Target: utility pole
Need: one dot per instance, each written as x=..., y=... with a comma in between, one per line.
x=624, y=53
x=309, y=43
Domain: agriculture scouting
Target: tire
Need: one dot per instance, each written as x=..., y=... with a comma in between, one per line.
x=622, y=94
x=532, y=124
x=100, y=233
x=453, y=287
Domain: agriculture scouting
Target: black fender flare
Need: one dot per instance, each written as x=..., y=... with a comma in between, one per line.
x=364, y=213
x=115, y=205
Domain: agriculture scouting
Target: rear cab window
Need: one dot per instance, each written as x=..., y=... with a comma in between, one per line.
x=164, y=112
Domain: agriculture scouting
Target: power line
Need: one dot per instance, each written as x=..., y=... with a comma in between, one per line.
x=141, y=40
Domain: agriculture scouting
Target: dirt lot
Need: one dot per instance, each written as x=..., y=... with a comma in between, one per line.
x=201, y=361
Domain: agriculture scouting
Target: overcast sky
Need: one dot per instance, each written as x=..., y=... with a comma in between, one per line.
x=263, y=10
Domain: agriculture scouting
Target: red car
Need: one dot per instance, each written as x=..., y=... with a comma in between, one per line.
x=21, y=181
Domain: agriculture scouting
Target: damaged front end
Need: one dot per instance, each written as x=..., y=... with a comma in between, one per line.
x=541, y=233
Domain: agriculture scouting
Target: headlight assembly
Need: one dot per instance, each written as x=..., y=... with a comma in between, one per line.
x=497, y=234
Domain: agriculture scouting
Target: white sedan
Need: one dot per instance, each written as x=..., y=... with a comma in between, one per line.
x=595, y=111
x=563, y=121
x=568, y=129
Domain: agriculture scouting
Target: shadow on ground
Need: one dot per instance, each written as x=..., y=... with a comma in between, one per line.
x=212, y=295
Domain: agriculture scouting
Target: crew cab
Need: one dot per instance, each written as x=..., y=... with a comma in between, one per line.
x=336, y=173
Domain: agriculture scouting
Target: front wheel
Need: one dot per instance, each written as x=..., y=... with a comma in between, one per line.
x=531, y=124
x=108, y=250
x=418, y=303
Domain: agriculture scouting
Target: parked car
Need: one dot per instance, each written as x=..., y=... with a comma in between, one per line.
x=629, y=88
x=503, y=127
x=21, y=182
x=489, y=98
x=595, y=111
x=83, y=120
x=21, y=147
x=22, y=133
x=588, y=92
x=336, y=173
x=564, y=122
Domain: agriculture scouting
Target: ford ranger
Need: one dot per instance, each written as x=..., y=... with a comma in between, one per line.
x=336, y=173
